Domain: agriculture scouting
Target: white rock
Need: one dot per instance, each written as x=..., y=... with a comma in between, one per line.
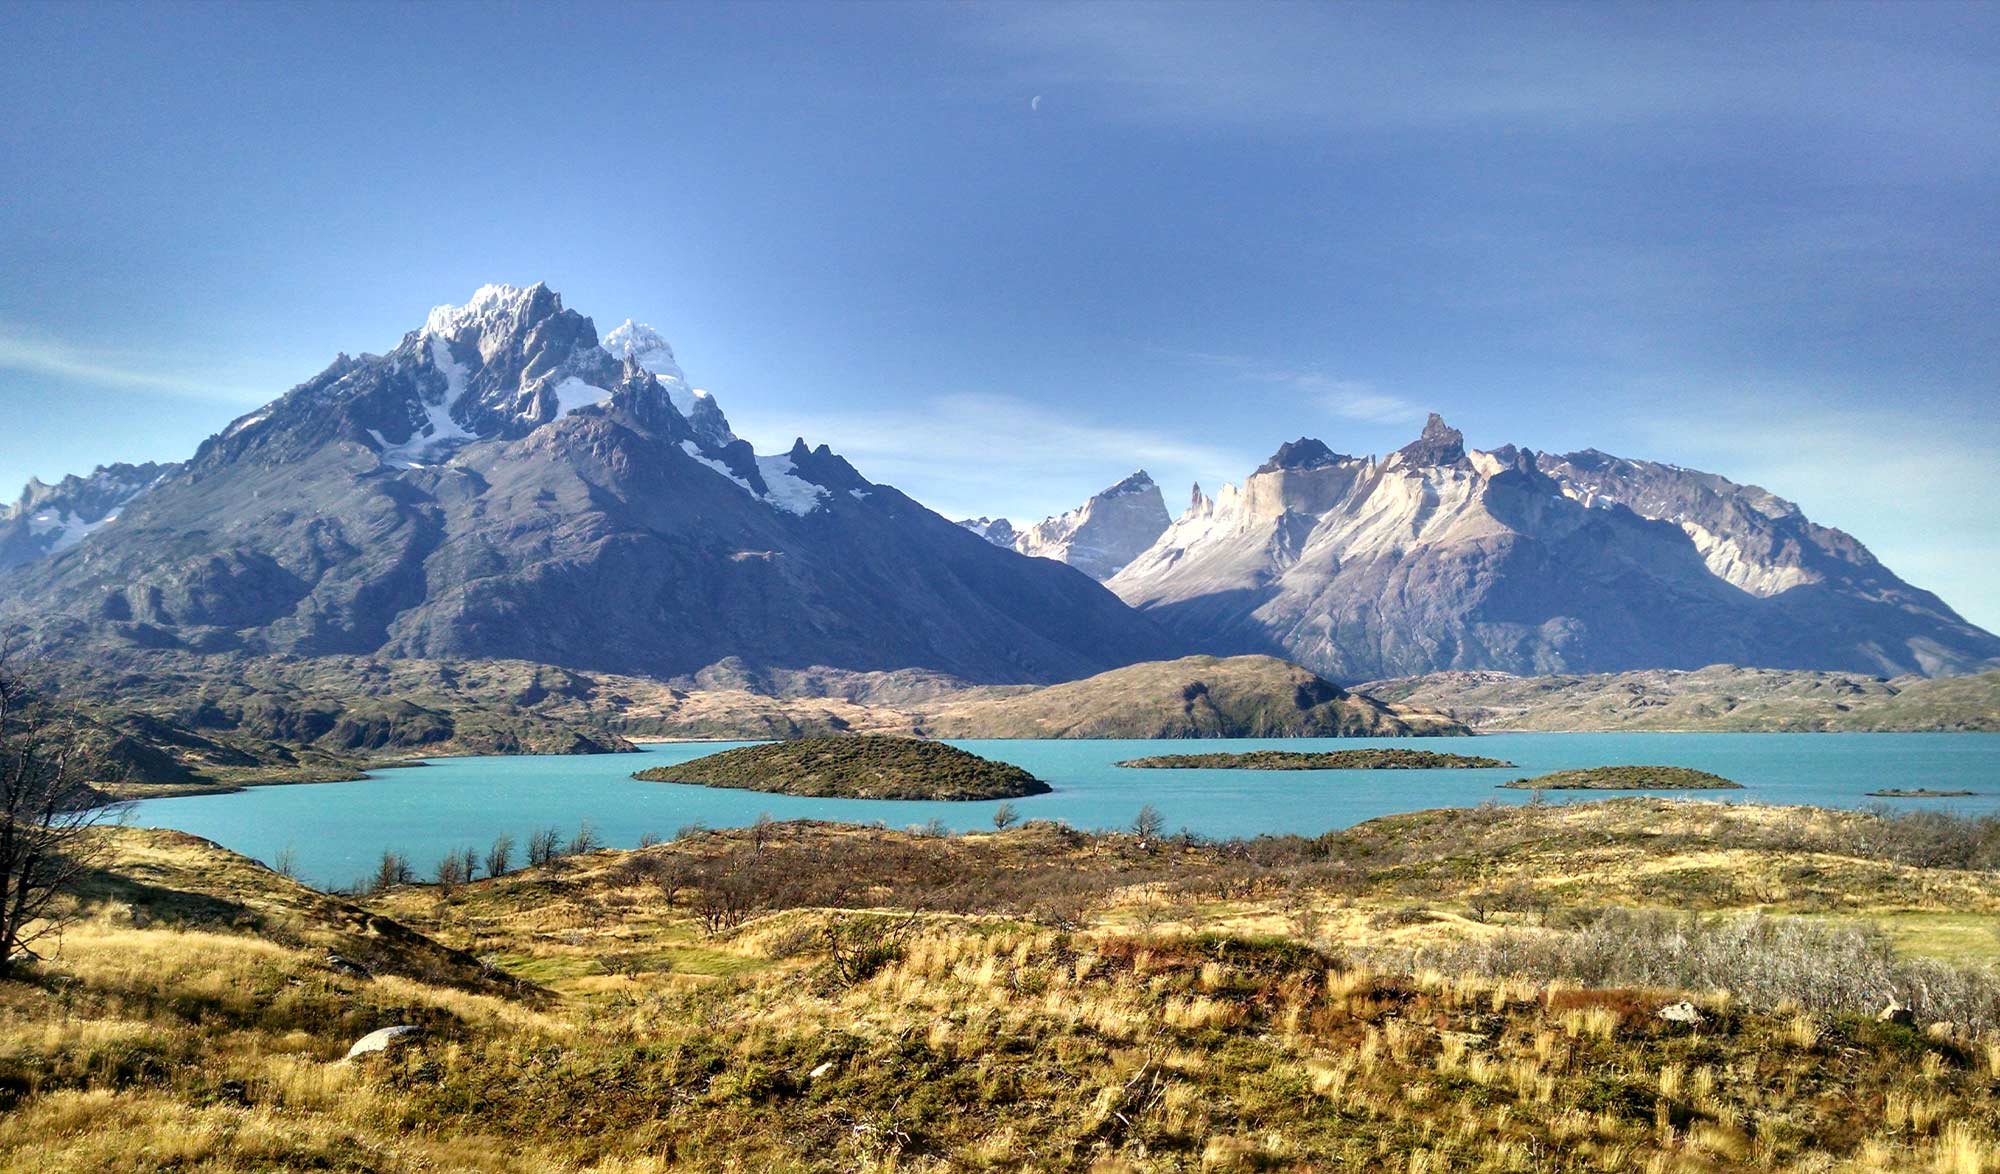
x=383, y=1040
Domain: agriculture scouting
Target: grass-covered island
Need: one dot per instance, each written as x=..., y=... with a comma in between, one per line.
x=1393, y=759
x=855, y=766
x=1626, y=778
x=1918, y=793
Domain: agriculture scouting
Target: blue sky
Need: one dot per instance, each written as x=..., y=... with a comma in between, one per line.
x=1757, y=239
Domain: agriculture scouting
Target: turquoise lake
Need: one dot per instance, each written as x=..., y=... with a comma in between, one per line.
x=336, y=831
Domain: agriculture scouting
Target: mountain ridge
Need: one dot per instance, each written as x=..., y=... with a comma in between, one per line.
x=1443, y=557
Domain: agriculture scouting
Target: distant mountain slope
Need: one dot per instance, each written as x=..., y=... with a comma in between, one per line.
x=1098, y=537
x=1715, y=698
x=500, y=485
x=1439, y=557
x=1105, y=533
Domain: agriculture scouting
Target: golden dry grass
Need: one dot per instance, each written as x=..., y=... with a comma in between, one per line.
x=194, y=1023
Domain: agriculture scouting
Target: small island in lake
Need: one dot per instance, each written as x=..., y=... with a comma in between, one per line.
x=1626, y=778
x=1392, y=759
x=1917, y=793
x=855, y=766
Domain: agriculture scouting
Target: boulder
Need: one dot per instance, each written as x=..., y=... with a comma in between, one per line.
x=346, y=966
x=1681, y=1012
x=385, y=1039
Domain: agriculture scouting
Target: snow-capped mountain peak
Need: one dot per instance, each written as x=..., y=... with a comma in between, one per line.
x=492, y=308
x=636, y=342
x=640, y=342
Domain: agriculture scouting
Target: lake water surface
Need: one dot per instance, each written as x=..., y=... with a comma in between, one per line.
x=336, y=831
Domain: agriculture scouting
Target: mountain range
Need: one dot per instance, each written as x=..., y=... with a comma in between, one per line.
x=507, y=483
x=1441, y=557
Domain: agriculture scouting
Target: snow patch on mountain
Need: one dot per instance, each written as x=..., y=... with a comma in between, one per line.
x=573, y=394
x=438, y=434
x=64, y=530
x=784, y=488
x=789, y=491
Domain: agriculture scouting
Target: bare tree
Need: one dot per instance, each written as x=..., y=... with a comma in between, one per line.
x=392, y=870
x=544, y=847
x=726, y=893
x=1005, y=816
x=1149, y=824
x=585, y=840
x=500, y=857
x=456, y=868
x=46, y=812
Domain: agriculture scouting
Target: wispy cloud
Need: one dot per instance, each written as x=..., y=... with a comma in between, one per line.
x=1895, y=482
x=40, y=357
x=979, y=453
x=1349, y=399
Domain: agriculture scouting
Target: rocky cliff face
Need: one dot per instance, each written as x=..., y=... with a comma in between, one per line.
x=1442, y=557
x=502, y=484
x=1103, y=534
x=49, y=519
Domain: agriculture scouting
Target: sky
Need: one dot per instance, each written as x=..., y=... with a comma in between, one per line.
x=1000, y=255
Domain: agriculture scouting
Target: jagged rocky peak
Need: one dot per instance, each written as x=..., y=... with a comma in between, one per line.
x=1440, y=444
x=1103, y=534
x=49, y=519
x=1303, y=453
x=1138, y=483
x=496, y=315
x=998, y=531
x=102, y=490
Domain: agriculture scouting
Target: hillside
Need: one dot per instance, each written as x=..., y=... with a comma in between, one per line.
x=1408, y=993
x=1194, y=697
x=862, y=766
x=1720, y=697
x=401, y=706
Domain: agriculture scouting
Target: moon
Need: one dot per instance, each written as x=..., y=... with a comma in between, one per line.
x=1035, y=103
